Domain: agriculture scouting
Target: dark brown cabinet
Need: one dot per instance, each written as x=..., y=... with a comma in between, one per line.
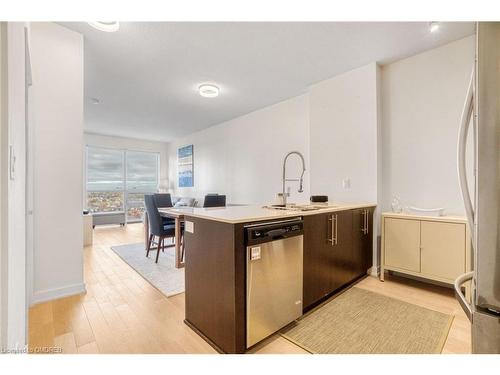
x=337, y=250
x=340, y=257
x=317, y=232
x=362, y=241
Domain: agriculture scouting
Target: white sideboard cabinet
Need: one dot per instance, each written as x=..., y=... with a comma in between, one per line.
x=433, y=248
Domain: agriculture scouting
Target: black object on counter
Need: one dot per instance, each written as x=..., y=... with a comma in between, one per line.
x=319, y=198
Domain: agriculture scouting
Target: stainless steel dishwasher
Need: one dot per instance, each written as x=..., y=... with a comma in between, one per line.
x=274, y=269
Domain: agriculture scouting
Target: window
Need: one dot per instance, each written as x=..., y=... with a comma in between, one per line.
x=142, y=177
x=142, y=171
x=105, y=182
x=117, y=180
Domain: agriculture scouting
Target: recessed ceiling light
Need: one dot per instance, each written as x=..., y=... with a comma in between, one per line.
x=108, y=26
x=208, y=90
x=433, y=26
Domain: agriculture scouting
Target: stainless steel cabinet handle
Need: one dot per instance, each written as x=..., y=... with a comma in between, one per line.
x=367, y=229
x=368, y=213
x=364, y=221
x=332, y=229
x=364, y=229
x=336, y=230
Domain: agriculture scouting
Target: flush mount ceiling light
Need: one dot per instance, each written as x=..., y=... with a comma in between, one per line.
x=433, y=26
x=208, y=90
x=108, y=26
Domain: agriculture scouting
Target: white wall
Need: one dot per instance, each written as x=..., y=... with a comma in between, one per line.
x=243, y=157
x=343, y=126
x=122, y=143
x=345, y=144
x=422, y=100
x=57, y=60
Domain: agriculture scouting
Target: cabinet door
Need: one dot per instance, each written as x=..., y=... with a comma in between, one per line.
x=402, y=243
x=340, y=254
x=443, y=249
x=362, y=241
x=316, y=252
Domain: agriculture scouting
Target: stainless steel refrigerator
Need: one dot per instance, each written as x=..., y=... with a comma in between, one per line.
x=482, y=202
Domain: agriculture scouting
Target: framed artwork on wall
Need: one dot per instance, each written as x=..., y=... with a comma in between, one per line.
x=185, y=166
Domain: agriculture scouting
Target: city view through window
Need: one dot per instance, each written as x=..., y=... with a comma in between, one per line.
x=117, y=180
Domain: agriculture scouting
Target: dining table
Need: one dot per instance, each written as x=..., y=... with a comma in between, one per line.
x=173, y=213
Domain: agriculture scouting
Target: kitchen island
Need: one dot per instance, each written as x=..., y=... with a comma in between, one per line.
x=337, y=250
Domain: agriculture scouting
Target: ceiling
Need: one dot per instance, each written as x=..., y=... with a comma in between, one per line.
x=146, y=75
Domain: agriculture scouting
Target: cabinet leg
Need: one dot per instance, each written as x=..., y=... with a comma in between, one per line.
x=382, y=272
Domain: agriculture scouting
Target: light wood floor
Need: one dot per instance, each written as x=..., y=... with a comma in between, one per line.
x=122, y=313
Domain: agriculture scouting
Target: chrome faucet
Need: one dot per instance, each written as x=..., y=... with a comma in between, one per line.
x=293, y=179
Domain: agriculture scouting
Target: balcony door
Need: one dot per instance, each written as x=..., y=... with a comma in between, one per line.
x=117, y=180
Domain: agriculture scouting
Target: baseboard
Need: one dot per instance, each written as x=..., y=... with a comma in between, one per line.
x=51, y=294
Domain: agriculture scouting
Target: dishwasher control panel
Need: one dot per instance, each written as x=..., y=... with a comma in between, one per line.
x=270, y=231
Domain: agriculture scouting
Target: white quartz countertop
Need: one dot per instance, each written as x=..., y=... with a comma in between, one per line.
x=246, y=214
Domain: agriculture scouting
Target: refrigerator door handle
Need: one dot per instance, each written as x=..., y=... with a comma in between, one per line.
x=467, y=114
x=460, y=280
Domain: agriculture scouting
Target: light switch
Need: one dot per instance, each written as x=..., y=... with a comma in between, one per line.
x=346, y=183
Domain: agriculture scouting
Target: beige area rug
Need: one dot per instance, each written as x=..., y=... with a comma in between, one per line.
x=360, y=321
x=162, y=275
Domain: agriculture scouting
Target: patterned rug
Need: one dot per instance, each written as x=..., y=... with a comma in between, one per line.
x=362, y=322
x=162, y=275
